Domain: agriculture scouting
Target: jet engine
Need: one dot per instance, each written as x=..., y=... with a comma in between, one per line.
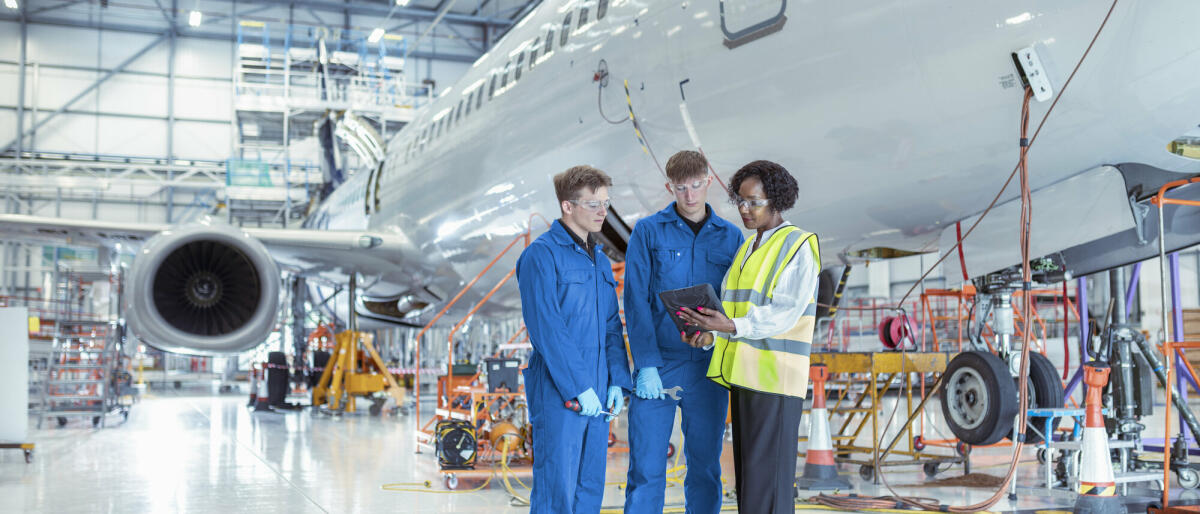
x=202, y=289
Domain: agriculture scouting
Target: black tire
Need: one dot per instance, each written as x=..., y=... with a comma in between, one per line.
x=930, y=469
x=62, y=422
x=1046, y=392
x=979, y=398
x=867, y=472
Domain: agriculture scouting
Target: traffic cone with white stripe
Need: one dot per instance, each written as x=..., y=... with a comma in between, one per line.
x=820, y=472
x=263, y=401
x=1097, y=485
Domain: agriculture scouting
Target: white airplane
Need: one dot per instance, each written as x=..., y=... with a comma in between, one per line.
x=899, y=119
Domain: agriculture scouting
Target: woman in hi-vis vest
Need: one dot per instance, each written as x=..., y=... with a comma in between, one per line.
x=761, y=342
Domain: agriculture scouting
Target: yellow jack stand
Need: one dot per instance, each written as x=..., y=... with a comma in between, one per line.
x=345, y=374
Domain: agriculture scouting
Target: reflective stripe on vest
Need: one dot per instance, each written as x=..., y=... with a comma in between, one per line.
x=777, y=364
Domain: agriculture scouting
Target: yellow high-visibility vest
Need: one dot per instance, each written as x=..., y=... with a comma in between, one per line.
x=778, y=364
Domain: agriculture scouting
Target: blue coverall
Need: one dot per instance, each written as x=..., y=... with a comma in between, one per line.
x=664, y=253
x=569, y=303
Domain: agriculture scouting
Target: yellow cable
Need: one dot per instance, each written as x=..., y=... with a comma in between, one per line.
x=397, y=487
x=504, y=473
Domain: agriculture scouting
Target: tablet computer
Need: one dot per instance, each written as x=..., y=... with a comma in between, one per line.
x=702, y=295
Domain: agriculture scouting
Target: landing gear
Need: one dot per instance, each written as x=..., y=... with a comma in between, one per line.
x=978, y=399
x=1045, y=391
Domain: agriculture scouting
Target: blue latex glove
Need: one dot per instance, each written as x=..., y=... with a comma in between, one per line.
x=616, y=401
x=589, y=403
x=649, y=385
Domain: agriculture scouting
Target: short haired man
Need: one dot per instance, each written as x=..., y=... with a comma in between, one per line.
x=684, y=244
x=569, y=302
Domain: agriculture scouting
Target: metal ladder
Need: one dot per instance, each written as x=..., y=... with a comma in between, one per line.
x=85, y=352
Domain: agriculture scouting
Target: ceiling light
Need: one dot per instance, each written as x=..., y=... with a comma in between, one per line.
x=194, y=18
x=375, y=36
x=12, y=4
x=401, y=3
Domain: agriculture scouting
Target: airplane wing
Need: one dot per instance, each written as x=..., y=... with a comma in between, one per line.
x=327, y=253
x=75, y=231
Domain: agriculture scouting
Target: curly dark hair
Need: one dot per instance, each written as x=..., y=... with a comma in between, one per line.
x=779, y=185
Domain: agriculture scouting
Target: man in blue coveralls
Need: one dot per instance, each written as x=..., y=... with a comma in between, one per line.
x=569, y=301
x=683, y=245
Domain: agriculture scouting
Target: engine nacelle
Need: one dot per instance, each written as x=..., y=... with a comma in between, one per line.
x=203, y=289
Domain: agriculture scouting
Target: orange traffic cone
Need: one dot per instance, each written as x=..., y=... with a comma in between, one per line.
x=263, y=401
x=820, y=472
x=1097, y=486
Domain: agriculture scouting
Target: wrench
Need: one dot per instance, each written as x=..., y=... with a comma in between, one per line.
x=574, y=405
x=673, y=392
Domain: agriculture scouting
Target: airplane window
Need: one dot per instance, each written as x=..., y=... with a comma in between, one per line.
x=566, y=30
x=601, y=9
x=470, y=99
x=492, y=88
x=458, y=113
x=533, y=49
x=504, y=75
x=520, y=64
x=549, y=42
x=583, y=14
x=479, y=99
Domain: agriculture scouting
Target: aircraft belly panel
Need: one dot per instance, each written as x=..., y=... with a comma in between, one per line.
x=1083, y=208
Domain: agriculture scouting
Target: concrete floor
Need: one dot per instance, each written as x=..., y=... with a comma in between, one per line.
x=192, y=451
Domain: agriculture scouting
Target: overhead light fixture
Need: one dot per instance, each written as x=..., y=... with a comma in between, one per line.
x=12, y=4
x=375, y=36
x=194, y=18
x=401, y=3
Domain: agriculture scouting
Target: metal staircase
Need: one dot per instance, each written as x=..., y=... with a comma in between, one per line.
x=83, y=372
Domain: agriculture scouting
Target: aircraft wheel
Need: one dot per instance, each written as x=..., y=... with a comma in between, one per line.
x=979, y=399
x=1045, y=391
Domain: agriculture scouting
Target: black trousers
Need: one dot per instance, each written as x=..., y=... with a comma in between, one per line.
x=765, y=428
